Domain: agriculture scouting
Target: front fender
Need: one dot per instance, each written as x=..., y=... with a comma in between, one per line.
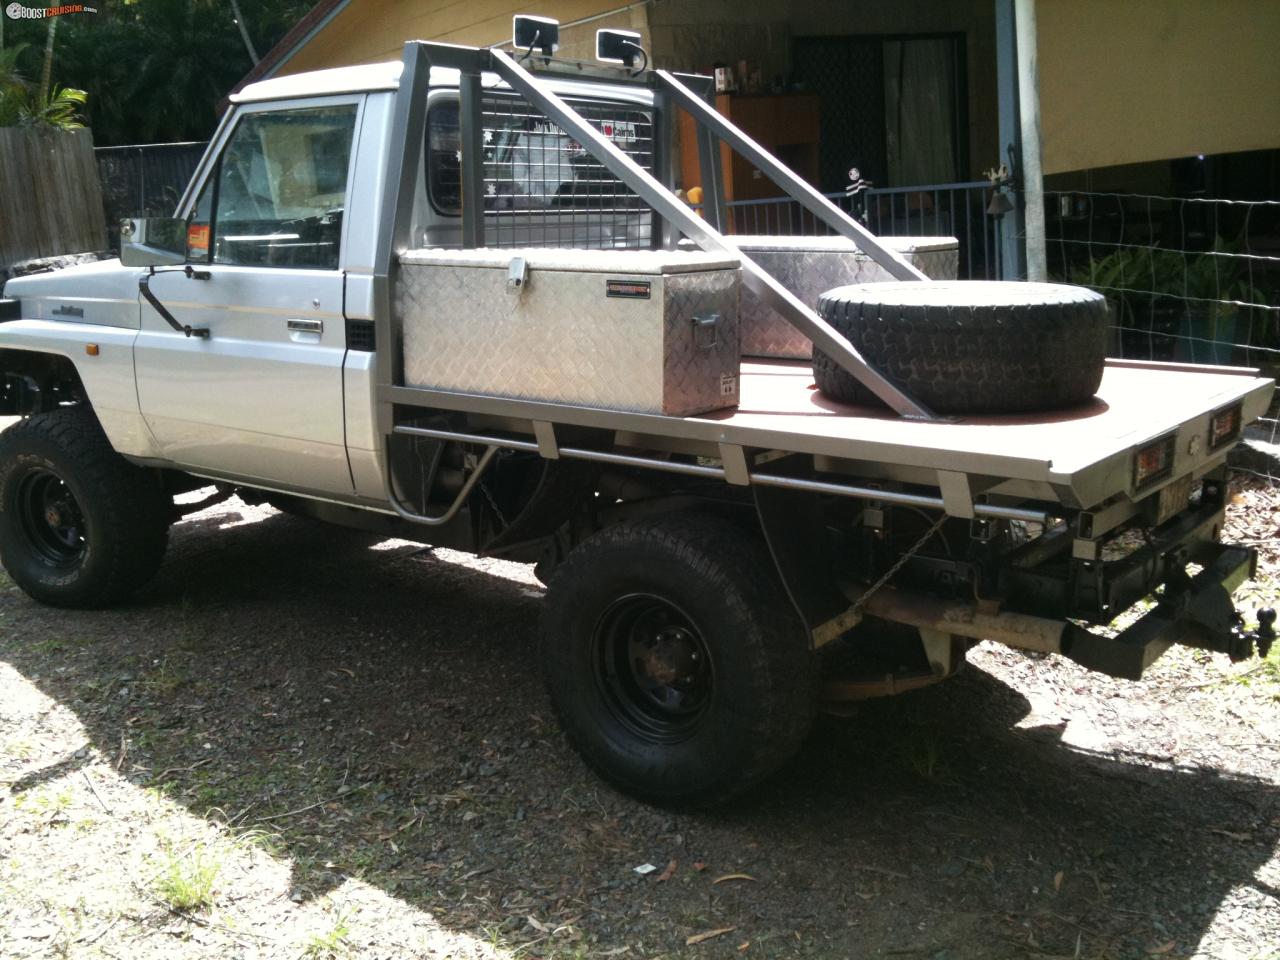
x=105, y=373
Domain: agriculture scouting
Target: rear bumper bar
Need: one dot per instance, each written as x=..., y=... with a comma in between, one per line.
x=1198, y=613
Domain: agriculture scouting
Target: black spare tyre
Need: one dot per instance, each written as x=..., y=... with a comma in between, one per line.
x=969, y=346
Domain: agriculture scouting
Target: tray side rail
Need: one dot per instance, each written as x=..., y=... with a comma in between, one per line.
x=876, y=494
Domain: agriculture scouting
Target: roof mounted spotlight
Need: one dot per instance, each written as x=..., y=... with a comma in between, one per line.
x=535, y=33
x=620, y=46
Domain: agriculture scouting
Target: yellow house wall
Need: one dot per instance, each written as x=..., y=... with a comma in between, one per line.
x=1125, y=81
x=1121, y=81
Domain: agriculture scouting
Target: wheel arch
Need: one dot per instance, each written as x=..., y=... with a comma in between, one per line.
x=45, y=365
x=35, y=381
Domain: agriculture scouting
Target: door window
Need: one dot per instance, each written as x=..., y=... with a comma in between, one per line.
x=278, y=193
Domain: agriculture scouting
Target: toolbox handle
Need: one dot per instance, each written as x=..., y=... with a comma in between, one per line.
x=706, y=330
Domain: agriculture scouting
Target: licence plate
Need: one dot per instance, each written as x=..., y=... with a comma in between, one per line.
x=1173, y=499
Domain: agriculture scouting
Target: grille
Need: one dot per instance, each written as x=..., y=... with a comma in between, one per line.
x=542, y=188
x=360, y=335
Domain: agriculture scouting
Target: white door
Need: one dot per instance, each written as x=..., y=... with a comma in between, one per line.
x=261, y=397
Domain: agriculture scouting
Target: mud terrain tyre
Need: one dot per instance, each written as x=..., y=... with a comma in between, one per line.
x=970, y=346
x=677, y=666
x=80, y=526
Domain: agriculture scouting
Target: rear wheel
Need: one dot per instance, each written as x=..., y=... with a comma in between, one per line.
x=674, y=660
x=79, y=525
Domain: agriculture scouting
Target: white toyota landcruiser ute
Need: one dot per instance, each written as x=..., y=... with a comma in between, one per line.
x=457, y=299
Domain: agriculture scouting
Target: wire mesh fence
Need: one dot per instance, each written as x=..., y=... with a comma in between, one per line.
x=144, y=180
x=1189, y=279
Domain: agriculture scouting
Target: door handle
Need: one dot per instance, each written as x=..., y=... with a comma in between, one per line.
x=306, y=326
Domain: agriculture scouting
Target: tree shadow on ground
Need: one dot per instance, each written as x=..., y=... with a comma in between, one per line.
x=380, y=710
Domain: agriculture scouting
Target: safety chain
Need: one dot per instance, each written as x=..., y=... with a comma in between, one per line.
x=901, y=562
x=494, y=504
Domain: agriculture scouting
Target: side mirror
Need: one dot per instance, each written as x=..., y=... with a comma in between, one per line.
x=153, y=242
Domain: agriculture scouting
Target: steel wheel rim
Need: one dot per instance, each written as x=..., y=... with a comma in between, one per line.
x=51, y=519
x=653, y=668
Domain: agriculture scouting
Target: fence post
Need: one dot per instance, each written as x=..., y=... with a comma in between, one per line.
x=1029, y=112
x=1012, y=261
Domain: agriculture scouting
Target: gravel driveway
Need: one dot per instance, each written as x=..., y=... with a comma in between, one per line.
x=352, y=732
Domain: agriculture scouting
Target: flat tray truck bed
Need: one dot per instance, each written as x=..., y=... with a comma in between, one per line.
x=1079, y=457
x=1137, y=402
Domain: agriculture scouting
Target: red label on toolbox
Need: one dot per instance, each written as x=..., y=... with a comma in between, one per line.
x=635, y=289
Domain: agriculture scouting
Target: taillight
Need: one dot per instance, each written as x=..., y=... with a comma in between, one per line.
x=1153, y=462
x=1224, y=426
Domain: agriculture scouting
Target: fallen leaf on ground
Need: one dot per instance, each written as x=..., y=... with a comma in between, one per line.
x=699, y=866
x=733, y=876
x=1057, y=881
x=538, y=924
x=668, y=873
x=1163, y=948
x=709, y=935
x=1231, y=833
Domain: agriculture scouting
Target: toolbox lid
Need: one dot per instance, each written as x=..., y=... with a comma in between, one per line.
x=834, y=244
x=628, y=262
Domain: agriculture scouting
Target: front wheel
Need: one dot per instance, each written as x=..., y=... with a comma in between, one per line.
x=79, y=525
x=675, y=662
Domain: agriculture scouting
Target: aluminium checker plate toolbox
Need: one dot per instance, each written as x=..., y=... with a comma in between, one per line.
x=810, y=266
x=650, y=331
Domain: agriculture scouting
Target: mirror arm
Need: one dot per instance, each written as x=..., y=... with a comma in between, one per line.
x=194, y=274
x=144, y=286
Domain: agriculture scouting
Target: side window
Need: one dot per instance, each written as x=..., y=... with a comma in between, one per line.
x=444, y=149
x=277, y=195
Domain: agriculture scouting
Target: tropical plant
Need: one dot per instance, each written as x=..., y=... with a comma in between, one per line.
x=13, y=88
x=23, y=105
x=1135, y=272
x=59, y=108
x=1154, y=289
x=155, y=70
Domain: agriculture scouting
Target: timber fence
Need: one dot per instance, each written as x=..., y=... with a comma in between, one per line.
x=50, y=198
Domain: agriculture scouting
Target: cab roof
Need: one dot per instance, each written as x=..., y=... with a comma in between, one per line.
x=386, y=76
x=358, y=79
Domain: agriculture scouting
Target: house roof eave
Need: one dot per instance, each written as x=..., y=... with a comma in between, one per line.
x=316, y=19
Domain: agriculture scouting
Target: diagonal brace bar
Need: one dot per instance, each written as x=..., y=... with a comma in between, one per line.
x=758, y=280
x=803, y=193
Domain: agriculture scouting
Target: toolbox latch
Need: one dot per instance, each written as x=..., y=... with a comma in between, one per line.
x=706, y=330
x=517, y=274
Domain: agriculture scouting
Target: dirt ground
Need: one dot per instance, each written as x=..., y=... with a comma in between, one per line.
x=301, y=742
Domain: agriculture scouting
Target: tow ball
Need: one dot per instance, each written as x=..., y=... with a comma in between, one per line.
x=1242, y=642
